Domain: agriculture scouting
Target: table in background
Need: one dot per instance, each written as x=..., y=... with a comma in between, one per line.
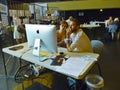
x=91, y=27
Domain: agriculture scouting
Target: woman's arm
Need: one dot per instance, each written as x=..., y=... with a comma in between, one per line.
x=71, y=45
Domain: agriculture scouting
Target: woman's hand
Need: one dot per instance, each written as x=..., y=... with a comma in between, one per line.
x=69, y=31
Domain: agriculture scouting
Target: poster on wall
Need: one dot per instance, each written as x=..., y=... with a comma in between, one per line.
x=3, y=8
x=42, y=12
x=3, y=14
x=4, y=19
x=38, y=9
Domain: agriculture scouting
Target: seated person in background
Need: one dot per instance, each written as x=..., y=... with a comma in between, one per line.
x=113, y=29
x=61, y=34
x=108, y=22
x=116, y=21
x=76, y=39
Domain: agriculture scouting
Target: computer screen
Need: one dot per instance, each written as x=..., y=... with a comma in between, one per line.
x=46, y=34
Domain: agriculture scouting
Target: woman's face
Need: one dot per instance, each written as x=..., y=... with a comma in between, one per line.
x=63, y=26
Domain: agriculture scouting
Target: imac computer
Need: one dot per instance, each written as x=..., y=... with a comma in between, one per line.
x=45, y=33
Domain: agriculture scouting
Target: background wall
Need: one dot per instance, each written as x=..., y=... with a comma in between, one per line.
x=85, y=4
x=85, y=10
x=92, y=14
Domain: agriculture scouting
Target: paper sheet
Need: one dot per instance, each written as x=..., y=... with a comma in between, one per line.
x=75, y=66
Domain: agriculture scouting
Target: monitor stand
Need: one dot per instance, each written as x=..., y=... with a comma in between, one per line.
x=36, y=48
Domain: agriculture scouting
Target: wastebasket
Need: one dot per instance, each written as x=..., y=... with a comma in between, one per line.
x=94, y=82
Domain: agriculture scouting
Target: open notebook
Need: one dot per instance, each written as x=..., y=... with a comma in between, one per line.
x=76, y=66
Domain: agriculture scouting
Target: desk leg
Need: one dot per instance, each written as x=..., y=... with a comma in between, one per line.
x=4, y=63
x=99, y=69
x=20, y=63
x=18, y=78
x=23, y=88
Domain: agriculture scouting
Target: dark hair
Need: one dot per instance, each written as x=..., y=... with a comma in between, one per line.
x=76, y=21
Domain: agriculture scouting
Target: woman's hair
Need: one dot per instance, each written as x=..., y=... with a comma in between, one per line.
x=116, y=19
x=64, y=22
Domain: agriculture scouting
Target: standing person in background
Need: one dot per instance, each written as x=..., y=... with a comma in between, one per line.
x=76, y=40
x=16, y=34
x=22, y=32
x=61, y=33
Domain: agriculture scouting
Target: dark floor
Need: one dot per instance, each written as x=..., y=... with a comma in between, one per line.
x=109, y=62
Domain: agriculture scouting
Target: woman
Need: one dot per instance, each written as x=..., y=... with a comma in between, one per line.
x=61, y=33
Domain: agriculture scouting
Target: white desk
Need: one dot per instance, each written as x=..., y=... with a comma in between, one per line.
x=89, y=26
x=26, y=54
x=99, y=22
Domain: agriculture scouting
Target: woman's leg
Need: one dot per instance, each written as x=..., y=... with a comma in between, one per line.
x=118, y=35
x=113, y=35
